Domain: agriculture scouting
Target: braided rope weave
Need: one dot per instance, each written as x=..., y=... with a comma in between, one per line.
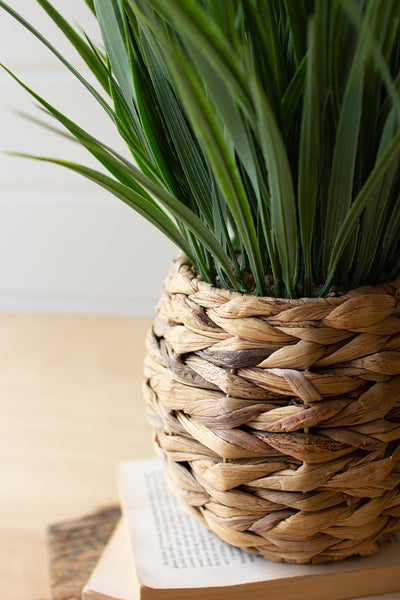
x=278, y=419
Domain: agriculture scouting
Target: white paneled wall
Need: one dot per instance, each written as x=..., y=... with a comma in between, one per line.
x=65, y=244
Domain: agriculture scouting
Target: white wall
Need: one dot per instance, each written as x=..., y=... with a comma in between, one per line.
x=65, y=244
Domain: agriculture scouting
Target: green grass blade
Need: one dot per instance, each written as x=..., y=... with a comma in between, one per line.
x=345, y=151
x=192, y=22
x=225, y=15
x=297, y=17
x=309, y=152
x=154, y=128
x=61, y=58
x=111, y=27
x=264, y=54
x=376, y=210
x=124, y=126
x=384, y=24
x=265, y=218
x=293, y=96
x=352, y=10
x=182, y=139
x=85, y=51
x=231, y=116
x=90, y=5
x=283, y=208
x=350, y=224
x=112, y=30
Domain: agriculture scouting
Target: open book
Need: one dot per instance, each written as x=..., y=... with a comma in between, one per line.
x=176, y=558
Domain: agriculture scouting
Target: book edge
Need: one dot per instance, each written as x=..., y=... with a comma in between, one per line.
x=353, y=584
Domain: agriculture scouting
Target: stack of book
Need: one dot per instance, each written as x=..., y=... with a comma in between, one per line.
x=158, y=552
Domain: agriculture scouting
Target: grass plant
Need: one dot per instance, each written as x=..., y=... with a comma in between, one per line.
x=264, y=134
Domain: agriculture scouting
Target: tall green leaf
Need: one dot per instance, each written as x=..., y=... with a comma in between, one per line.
x=309, y=151
x=283, y=208
x=345, y=150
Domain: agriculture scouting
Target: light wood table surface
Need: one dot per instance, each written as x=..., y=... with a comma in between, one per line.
x=71, y=408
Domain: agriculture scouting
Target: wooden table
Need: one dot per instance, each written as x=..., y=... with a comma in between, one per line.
x=71, y=408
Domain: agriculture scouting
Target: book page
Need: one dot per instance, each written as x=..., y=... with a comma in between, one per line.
x=114, y=575
x=172, y=550
x=182, y=543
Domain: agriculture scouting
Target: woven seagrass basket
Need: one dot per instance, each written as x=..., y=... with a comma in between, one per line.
x=279, y=420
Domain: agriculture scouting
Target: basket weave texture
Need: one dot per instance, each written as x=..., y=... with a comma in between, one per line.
x=278, y=419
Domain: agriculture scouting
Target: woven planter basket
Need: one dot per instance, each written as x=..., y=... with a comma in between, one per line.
x=279, y=420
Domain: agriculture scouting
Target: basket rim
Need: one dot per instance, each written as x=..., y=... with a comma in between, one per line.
x=182, y=267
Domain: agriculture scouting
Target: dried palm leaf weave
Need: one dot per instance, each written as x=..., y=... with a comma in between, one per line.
x=279, y=419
